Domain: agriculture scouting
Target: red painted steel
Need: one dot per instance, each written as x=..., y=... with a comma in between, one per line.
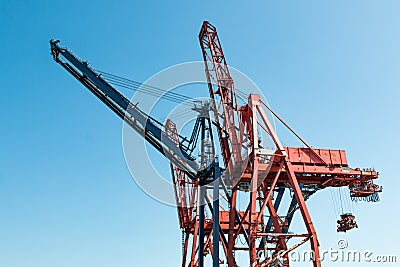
x=346, y=222
x=240, y=128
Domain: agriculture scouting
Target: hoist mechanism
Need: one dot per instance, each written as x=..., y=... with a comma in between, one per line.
x=346, y=222
x=209, y=194
x=365, y=191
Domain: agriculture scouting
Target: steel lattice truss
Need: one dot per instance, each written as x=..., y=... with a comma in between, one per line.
x=268, y=175
x=208, y=192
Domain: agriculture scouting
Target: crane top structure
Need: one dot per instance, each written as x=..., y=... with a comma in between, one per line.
x=207, y=191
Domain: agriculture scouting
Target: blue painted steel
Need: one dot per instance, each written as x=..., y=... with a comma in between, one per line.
x=216, y=233
x=290, y=212
x=145, y=125
x=277, y=203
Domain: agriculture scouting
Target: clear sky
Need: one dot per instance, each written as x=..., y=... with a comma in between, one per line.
x=330, y=68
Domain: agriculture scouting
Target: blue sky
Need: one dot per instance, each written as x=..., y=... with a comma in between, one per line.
x=330, y=68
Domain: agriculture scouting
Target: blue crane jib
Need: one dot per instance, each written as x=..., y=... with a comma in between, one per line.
x=152, y=130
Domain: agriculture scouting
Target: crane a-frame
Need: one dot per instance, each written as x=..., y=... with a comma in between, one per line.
x=247, y=168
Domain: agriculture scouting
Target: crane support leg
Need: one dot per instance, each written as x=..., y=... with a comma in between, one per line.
x=216, y=225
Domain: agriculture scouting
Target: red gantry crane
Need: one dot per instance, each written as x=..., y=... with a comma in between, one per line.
x=207, y=192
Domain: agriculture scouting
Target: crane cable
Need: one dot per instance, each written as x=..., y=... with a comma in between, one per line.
x=152, y=90
x=346, y=199
x=340, y=200
x=146, y=89
x=334, y=202
x=176, y=116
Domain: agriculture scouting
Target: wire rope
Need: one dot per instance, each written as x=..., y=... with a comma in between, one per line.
x=153, y=90
x=165, y=96
x=142, y=86
x=334, y=202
